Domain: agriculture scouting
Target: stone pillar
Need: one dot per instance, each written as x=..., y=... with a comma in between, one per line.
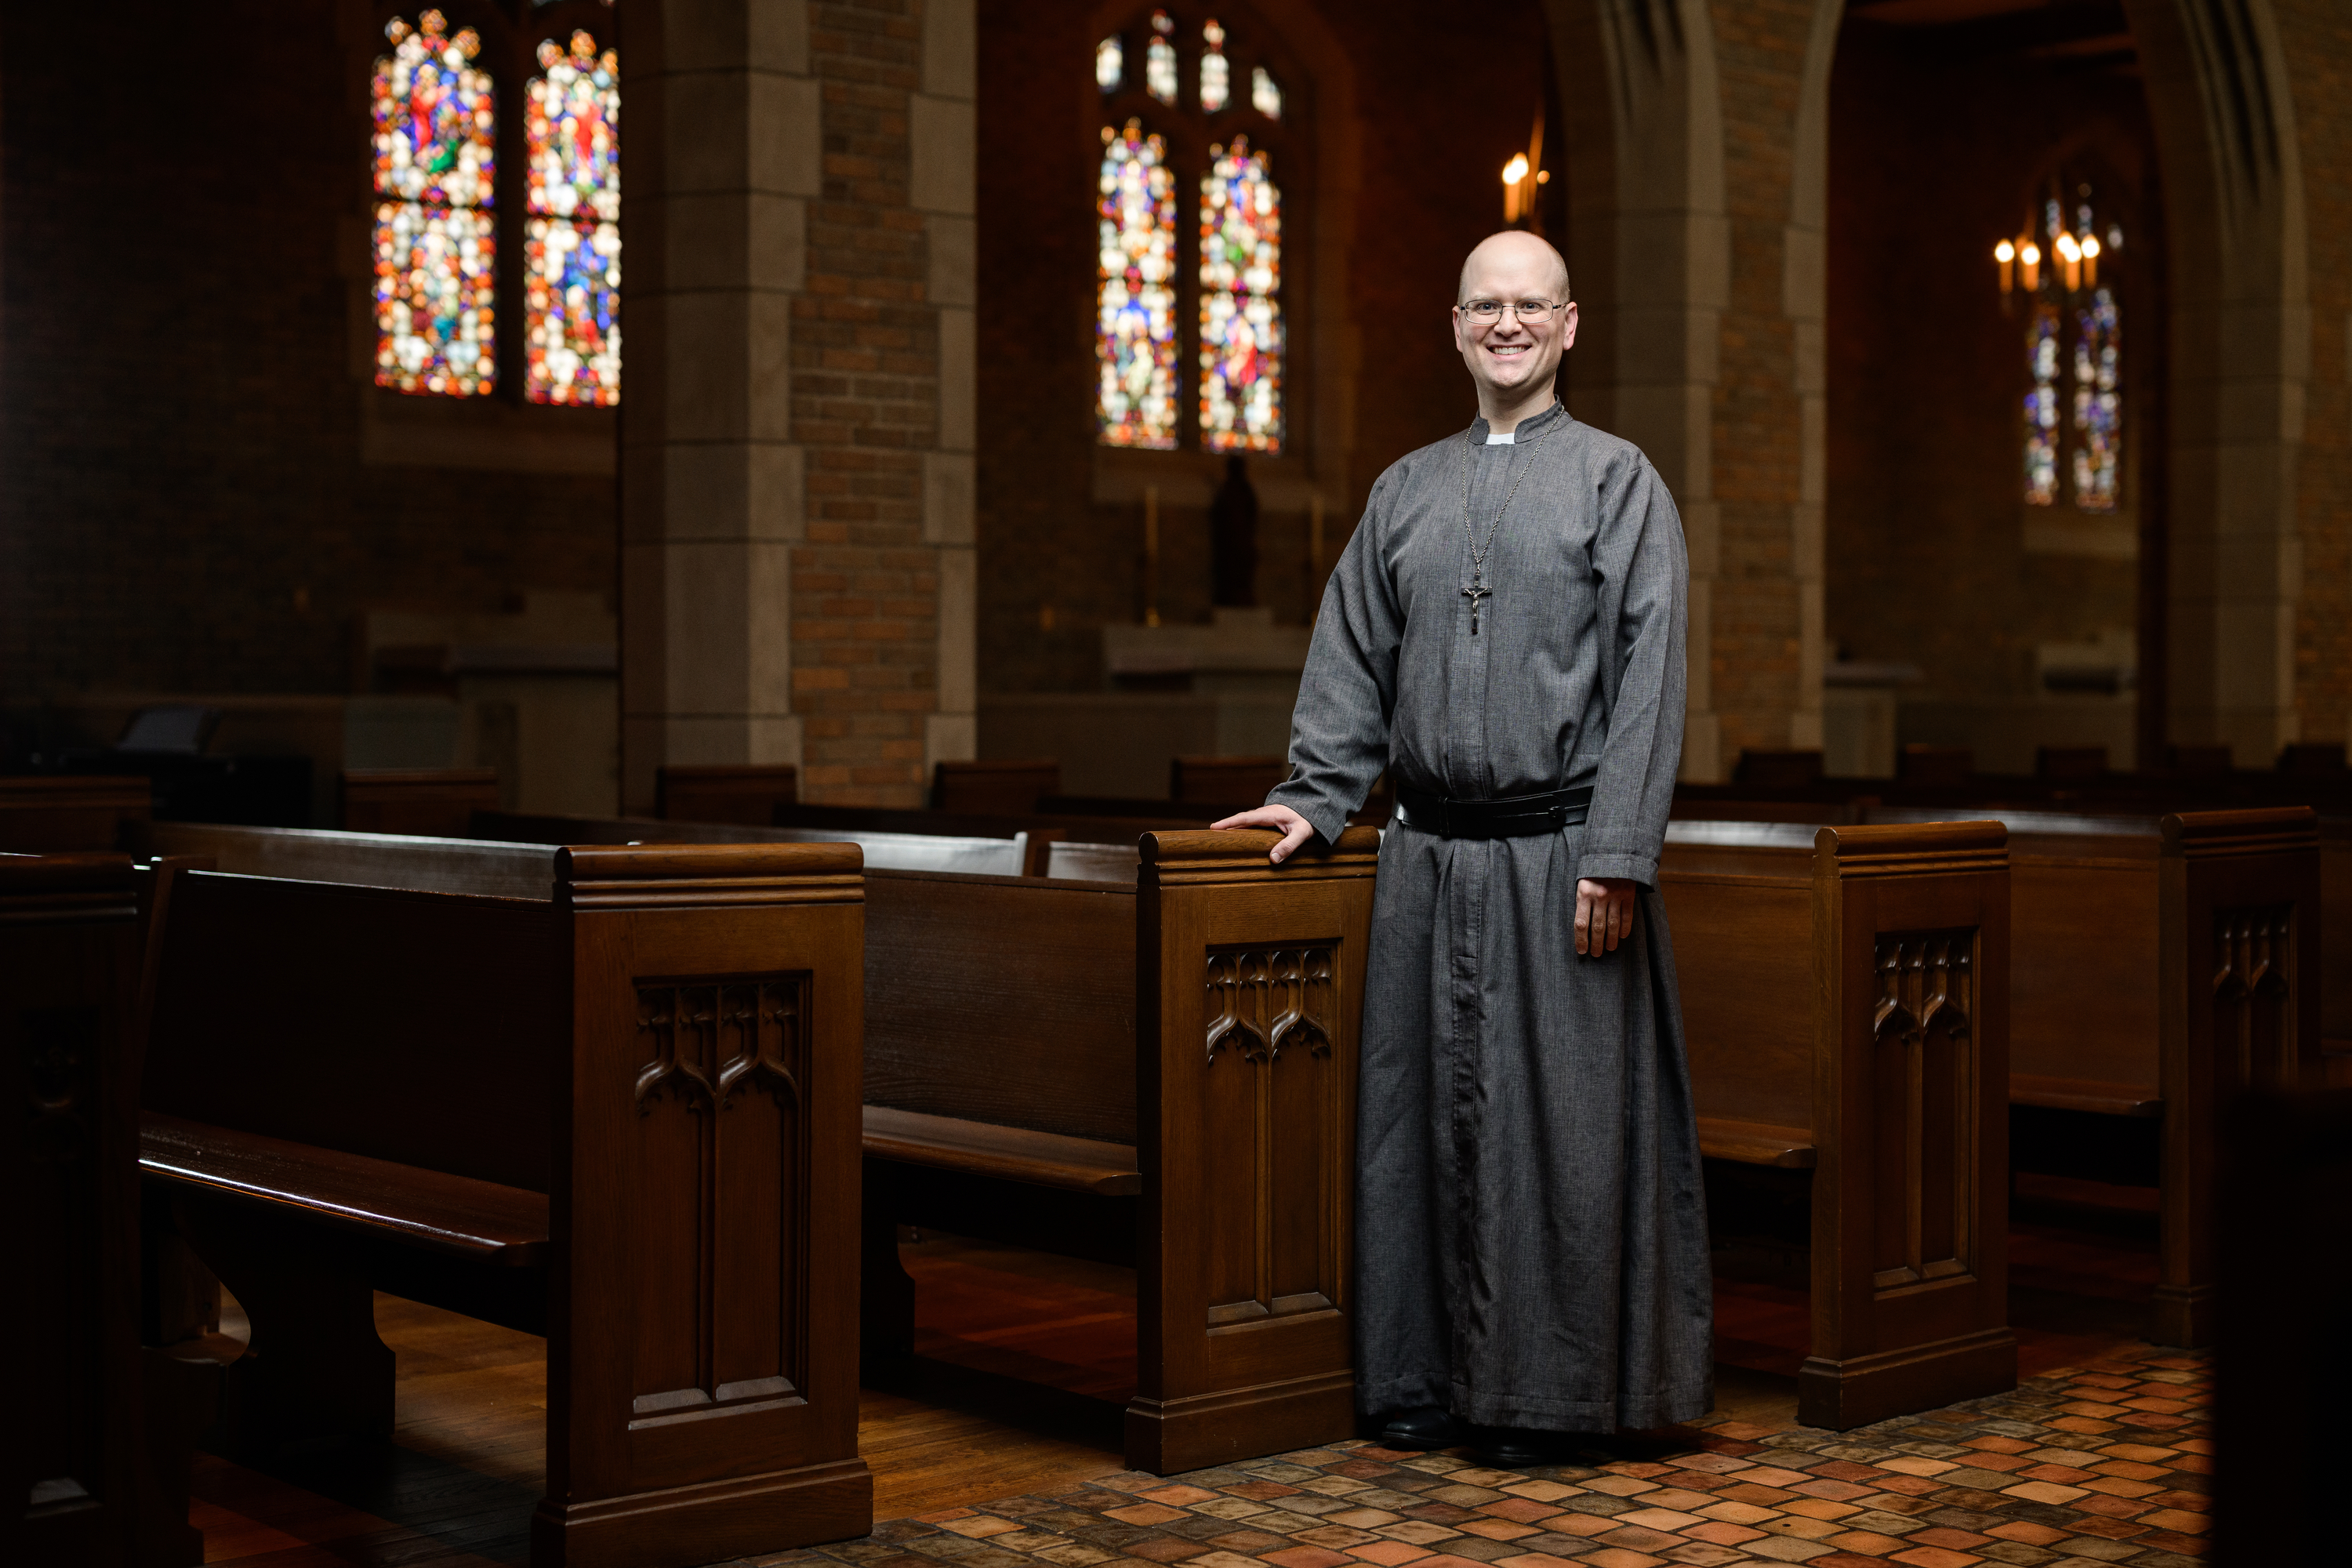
x=723, y=156
x=943, y=188
x=1649, y=255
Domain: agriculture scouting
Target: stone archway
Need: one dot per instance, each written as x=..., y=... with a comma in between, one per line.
x=1649, y=251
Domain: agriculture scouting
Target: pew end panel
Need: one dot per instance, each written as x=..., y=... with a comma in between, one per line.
x=69, y=967
x=1910, y=1288
x=702, y=1364
x=2242, y=909
x=1249, y=985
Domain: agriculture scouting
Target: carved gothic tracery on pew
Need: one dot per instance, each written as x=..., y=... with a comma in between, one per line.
x=718, y=1043
x=1272, y=1131
x=1921, y=1081
x=2253, y=1018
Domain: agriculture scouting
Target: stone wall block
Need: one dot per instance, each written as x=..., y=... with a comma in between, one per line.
x=785, y=156
x=943, y=135
x=948, y=498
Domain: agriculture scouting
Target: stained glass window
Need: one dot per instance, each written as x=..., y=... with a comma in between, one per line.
x=2098, y=402
x=1135, y=330
x=436, y=248
x=1264, y=96
x=1159, y=60
x=1216, y=73
x=2042, y=408
x=1110, y=64
x=572, y=306
x=1241, y=311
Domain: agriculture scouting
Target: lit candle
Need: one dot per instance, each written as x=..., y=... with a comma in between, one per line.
x=2070, y=255
x=2006, y=253
x=1514, y=171
x=2031, y=259
x=2091, y=259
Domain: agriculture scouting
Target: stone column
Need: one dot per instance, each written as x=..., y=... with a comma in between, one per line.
x=943, y=188
x=1649, y=255
x=723, y=155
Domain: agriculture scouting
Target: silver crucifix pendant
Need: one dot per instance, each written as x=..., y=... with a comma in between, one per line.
x=1473, y=593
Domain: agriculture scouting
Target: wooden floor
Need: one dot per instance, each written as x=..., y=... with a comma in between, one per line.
x=1025, y=1363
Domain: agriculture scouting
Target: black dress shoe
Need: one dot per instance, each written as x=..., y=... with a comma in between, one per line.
x=1520, y=1448
x=1427, y=1428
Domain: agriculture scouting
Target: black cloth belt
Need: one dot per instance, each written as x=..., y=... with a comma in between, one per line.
x=1518, y=817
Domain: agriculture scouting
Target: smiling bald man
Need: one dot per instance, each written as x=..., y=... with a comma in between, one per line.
x=1504, y=635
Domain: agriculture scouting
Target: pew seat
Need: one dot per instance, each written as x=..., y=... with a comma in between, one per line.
x=1007, y=1154
x=2098, y=1098
x=1757, y=1143
x=460, y=1215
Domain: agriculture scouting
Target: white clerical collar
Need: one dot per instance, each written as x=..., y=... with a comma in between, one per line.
x=1502, y=438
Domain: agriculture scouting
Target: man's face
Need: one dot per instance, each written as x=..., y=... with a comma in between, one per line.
x=1509, y=356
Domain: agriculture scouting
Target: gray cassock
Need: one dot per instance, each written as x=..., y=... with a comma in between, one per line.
x=1530, y=1229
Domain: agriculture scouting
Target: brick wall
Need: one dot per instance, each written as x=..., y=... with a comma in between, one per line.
x=2316, y=39
x=864, y=408
x=185, y=503
x=1758, y=634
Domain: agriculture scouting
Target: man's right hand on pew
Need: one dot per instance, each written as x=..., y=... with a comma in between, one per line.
x=1295, y=829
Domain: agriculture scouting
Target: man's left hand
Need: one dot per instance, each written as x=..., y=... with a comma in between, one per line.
x=1604, y=914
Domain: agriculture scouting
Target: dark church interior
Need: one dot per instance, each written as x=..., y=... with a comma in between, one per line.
x=617, y=959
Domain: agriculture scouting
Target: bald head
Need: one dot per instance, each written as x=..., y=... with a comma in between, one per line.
x=1504, y=263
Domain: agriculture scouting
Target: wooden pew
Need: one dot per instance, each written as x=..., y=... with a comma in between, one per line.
x=488, y=1077
x=1846, y=999
x=995, y=788
x=49, y=814
x=1018, y=854
x=746, y=793
x=435, y=803
x=1173, y=1061
x=96, y=1486
x=2161, y=968
x=1236, y=782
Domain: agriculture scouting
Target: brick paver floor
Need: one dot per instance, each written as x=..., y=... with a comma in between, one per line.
x=2108, y=1463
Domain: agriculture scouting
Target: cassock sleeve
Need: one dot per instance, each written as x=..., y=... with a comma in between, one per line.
x=1645, y=574
x=1346, y=696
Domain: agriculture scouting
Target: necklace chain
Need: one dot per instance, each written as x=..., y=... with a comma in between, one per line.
x=1477, y=550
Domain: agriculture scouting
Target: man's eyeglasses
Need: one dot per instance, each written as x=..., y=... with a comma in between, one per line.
x=1530, y=313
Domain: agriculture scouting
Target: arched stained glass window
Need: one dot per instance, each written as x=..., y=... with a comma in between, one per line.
x=1135, y=335
x=436, y=249
x=572, y=315
x=1159, y=60
x=1217, y=71
x=2098, y=402
x=2042, y=408
x=1241, y=307
x=1203, y=116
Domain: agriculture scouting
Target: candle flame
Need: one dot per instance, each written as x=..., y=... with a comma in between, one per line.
x=1516, y=170
x=2004, y=252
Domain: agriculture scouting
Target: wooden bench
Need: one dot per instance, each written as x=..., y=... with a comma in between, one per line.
x=490, y=1076
x=994, y=787
x=1162, y=1072
x=433, y=803
x=1019, y=853
x=2160, y=967
x=101, y=1465
x=1846, y=1001
x=49, y=814
x=745, y=793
